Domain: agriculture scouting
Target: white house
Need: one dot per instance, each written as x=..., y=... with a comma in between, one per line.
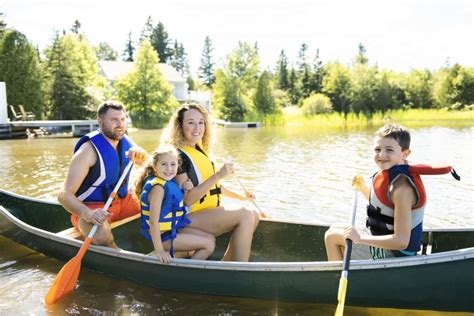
x=114, y=70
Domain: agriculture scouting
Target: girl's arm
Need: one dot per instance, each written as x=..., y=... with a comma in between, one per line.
x=193, y=195
x=403, y=197
x=156, y=198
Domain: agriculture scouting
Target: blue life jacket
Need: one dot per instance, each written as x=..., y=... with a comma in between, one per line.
x=173, y=211
x=104, y=174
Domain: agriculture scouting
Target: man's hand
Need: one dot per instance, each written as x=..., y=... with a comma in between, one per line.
x=137, y=154
x=96, y=217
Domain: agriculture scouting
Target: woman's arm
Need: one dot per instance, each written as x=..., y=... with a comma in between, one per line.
x=193, y=195
x=234, y=195
x=155, y=198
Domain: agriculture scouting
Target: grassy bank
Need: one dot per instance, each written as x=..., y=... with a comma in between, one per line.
x=413, y=117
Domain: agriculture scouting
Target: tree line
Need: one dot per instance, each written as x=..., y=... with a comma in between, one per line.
x=63, y=81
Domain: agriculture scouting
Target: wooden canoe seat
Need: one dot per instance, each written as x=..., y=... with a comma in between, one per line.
x=74, y=233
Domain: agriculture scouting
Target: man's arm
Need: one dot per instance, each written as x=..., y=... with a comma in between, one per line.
x=79, y=167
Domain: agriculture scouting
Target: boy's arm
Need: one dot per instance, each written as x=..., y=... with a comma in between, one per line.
x=358, y=182
x=403, y=197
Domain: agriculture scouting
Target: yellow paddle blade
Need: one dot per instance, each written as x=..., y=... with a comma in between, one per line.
x=341, y=297
x=65, y=281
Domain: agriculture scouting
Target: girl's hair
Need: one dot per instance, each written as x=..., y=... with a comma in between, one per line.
x=148, y=169
x=173, y=133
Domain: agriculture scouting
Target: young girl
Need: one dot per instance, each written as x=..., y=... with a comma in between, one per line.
x=164, y=212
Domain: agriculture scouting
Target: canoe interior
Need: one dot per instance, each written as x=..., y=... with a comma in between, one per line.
x=274, y=241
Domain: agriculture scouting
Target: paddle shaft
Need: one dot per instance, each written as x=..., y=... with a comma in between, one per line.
x=243, y=188
x=348, y=250
x=112, y=196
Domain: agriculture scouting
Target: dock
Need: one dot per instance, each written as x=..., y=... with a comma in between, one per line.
x=236, y=124
x=76, y=127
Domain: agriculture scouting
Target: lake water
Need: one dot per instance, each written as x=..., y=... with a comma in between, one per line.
x=298, y=173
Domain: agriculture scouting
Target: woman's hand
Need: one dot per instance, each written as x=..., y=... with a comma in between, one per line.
x=188, y=185
x=163, y=256
x=225, y=170
x=351, y=233
x=249, y=196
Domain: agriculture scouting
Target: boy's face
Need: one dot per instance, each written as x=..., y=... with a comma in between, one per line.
x=388, y=153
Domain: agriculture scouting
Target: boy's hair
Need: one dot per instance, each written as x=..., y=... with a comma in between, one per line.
x=109, y=104
x=148, y=170
x=397, y=132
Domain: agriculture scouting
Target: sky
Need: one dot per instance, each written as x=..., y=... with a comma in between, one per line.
x=398, y=34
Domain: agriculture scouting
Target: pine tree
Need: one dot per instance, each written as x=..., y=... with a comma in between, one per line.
x=129, y=49
x=206, y=72
x=20, y=70
x=160, y=42
x=179, y=59
x=361, y=55
x=147, y=29
x=76, y=27
x=305, y=72
x=293, y=88
x=317, y=76
x=282, y=71
x=3, y=25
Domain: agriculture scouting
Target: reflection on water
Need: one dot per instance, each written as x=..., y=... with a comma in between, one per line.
x=297, y=173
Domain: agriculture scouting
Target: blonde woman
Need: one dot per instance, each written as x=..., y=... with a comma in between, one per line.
x=189, y=129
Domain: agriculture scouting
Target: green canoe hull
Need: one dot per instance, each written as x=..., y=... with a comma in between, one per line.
x=288, y=263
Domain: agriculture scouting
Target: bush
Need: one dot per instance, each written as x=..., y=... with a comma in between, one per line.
x=317, y=104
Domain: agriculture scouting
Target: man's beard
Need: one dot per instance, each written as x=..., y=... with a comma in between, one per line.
x=110, y=134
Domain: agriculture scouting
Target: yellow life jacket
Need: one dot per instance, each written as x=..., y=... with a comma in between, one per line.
x=202, y=169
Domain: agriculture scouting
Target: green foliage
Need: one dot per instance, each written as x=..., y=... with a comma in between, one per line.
x=129, y=49
x=206, y=71
x=76, y=27
x=282, y=99
x=337, y=85
x=3, y=25
x=316, y=104
x=264, y=100
x=71, y=71
x=463, y=86
x=293, y=87
x=20, y=70
x=147, y=96
x=234, y=84
x=105, y=52
x=161, y=43
x=179, y=59
x=361, y=58
x=419, y=89
x=282, y=71
x=364, y=90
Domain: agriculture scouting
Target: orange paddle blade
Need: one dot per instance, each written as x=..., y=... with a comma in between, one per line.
x=65, y=281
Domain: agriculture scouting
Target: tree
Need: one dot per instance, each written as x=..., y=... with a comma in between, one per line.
x=3, y=25
x=293, y=87
x=147, y=29
x=105, y=52
x=419, y=89
x=160, y=42
x=264, y=100
x=20, y=70
x=206, y=72
x=129, y=49
x=179, y=59
x=305, y=72
x=364, y=90
x=361, y=55
x=337, y=85
x=76, y=27
x=317, y=75
x=73, y=84
x=282, y=71
x=240, y=75
x=146, y=93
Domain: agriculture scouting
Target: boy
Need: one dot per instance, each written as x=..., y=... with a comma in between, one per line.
x=397, y=201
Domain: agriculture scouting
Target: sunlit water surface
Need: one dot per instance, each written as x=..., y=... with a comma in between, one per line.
x=297, y=173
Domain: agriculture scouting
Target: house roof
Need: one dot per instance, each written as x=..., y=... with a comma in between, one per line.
x=114, y=70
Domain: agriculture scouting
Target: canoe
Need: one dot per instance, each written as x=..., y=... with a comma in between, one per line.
x=288, y=262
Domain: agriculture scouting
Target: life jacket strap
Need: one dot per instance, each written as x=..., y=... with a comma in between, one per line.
x=215, y=191
x=455, y=175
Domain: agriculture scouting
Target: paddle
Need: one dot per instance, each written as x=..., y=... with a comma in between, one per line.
x=341, y=294
x=262, y=214
x=66, y=279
